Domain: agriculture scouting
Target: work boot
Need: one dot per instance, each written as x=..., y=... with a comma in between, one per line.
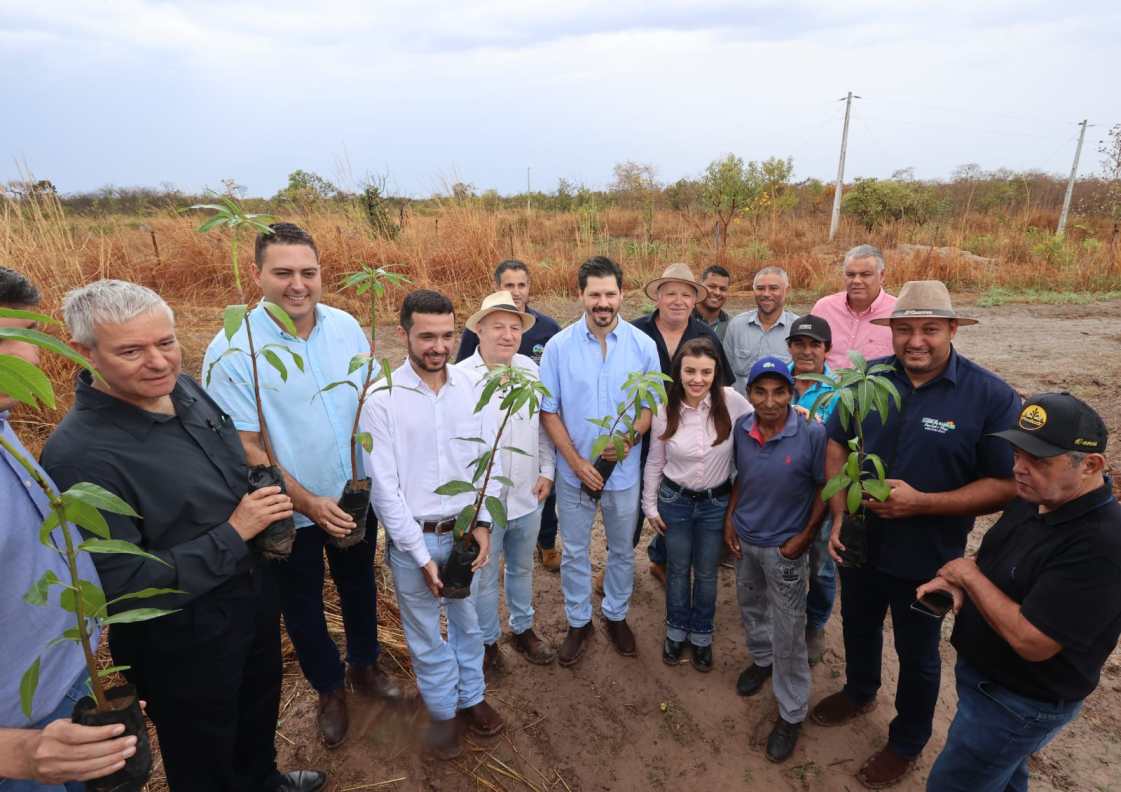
x=783, y=738
x=573, y=645
x=297, y=781
x=885, y=768
x=332, y=717
x=815, y=644
x=372, y=682
x=483, y=720
x=752, y=678
x=672, y=652
x=492, y=661
x=550, y=558
x=535, y=650
x=838, y=709
x=658, y=572
x=442, y=739
x=621, y=636
x=597, y=584
x=701, y=658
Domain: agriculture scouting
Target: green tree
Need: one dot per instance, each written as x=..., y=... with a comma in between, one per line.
x=307, y=187
x=776, y=173
x=730, y=188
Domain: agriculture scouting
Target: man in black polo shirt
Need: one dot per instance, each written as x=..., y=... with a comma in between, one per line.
x=211, y=672
x=1040, y=605
x=944, y=468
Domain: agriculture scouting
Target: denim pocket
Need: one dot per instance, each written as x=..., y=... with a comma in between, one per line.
x=667, y=494
x=1020, y=709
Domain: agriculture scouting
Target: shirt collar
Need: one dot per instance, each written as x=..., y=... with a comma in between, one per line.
x=950, y=373
x=1081, y=506
x=753, y=318
x=788, y=430
x=407, y=373
x=264, y=319
x=876, y=303
x=590, y=336
x=131, y=418
x=706, y=402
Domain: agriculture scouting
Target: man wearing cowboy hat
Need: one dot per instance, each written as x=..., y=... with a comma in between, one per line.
x=1039, y=608
x=944, y=468
x=499, y=326
x=670, y=325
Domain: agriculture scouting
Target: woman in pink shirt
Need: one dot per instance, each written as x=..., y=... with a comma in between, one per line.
x=686, y=484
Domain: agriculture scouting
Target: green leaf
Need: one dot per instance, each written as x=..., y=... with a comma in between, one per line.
x=481, y=465
x=878, y=464
x=86, y=516
x=858, y=361
x=119, y=547
x=456, y=487
x=821, y=401
x=365, y=440
x=514, y=450
x=93, y=598
x=357, y=362
x=599, y=444
x=852, y=500
x=889, y=386
x=834, y=485
x=297, y=361
x=232, y=319
x=28, y=683
x=117, y=669
x=334, y=385
x=44, y=341
x=217, y=360
x=50, y=522
x=137, y=615
x=40, y=589
x=880, y=368
x=25, y=382
x=479, y=440
x=864, y=399
x=852, y=466
x=620, y=447
x=98, y=497
x=877, y=489
x=491, y=386
x=282, y=318
x=143, y=594
x=822, y=378
x=602, y=423
x=463, y=521
x=274, y=361
x=502, y=480
x=31, y=316
x=497, y=511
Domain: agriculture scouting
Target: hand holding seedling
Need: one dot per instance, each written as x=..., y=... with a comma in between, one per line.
x=588, y=474
x=327, y=514
x=258, y=510
x=482, y=539
x=904, y=501
x=614, y=453
x=432, y=579
x=63, y=751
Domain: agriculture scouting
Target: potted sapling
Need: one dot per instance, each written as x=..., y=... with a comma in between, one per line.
x=81, y=505
x=643, y=390
x=517, y=389
x=860, y=391
x=355, y=498
x=275, y=542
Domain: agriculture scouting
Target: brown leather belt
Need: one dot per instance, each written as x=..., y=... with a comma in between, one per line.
x=438, y=526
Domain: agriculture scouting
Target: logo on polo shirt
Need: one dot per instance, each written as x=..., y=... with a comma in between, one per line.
x=537, y=351
x=1032, y=418
x=938, y=427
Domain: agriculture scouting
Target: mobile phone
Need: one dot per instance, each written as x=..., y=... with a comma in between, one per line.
x=934, y=604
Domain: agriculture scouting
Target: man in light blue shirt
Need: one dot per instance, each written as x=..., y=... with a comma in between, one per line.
x=584, y=367
x=756, y=334
x=310, y=435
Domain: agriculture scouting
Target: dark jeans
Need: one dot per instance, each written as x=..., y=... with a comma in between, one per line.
x=993, y=734
x=866, y=595
x=694, y=536
x=211, y=676
x=547, y=536
x=301, y=599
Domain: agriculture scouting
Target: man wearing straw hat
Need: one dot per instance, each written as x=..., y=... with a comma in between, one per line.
x=944, y=468
x=499, y=325
x=670, y=325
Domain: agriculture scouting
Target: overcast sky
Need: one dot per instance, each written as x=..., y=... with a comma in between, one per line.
x=138, y=92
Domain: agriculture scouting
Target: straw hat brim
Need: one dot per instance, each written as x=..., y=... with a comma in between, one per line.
x=919, y=314
x=653, y=286
x=528, y=320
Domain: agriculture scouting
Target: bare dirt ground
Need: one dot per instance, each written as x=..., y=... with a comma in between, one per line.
x=614, y=723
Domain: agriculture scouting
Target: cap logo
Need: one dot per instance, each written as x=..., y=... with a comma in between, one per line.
x=768, y=364
x=1081, y=441
x=1032, y=418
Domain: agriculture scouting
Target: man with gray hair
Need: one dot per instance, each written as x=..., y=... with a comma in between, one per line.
x=211, y=671
x=851, y=313
x=756, y=334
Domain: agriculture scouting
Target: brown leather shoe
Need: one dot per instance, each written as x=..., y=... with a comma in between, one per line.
x=483, y=720
x=372, y=682
x=492, y=661
x=535, y=650
x=658, y=572
x=597, y=584
x=838, y=709
x=332, y=717
x=885, y=768
x=550, y=558
x=621, y=636
x=573, y=645
x=442, y=739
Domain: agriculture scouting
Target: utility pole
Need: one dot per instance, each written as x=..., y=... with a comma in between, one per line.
x=836, y=221
x=1070, y=182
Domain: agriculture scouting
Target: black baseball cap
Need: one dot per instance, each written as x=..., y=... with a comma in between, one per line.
x=1056, y=423
x=812, y=327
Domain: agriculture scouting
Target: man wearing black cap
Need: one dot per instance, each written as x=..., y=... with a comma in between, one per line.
x=1040, y=605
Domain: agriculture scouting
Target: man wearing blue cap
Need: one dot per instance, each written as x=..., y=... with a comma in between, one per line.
x=773, y=516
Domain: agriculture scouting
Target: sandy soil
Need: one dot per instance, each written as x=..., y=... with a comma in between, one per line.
x=614, y=723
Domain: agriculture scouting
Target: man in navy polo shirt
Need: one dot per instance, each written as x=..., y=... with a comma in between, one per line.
x=944, y=468
x=772, y=518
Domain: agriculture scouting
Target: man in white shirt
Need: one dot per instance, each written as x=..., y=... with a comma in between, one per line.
x=499, y=326
x=414, y=428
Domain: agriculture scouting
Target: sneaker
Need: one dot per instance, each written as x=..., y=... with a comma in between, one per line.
x=701, y=658
x=672, y=652
x=752, y=679
x=783, y=738
x=815, y=644
x=573, y=645
x=838, y=709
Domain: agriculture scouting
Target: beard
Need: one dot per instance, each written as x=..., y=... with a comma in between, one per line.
x=603, y=317
x=429, y=362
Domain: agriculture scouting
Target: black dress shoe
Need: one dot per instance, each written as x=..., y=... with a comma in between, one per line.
x=701, y=658
x=783, y=738
x=671, y=651
x=752, y=679
x=300, y=781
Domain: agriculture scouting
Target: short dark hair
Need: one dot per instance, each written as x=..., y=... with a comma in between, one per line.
x=282, y=234
x=506, y=266
x=16, y=291
x=599, y=267
x=424, y=301
x=717, y=270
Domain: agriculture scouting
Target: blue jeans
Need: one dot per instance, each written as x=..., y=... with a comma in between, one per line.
x=993, y=734
x=694, y=536
x=515, y=542
x=576, y=513
x=64, y=709
x=823, y=579
x=449, y=674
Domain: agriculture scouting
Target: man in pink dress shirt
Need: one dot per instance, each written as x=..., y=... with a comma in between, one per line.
x=850, y=312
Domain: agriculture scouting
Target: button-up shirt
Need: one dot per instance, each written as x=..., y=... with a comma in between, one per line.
x=28, y=629
x=185, y=474
x=718, y=325
x=533, y=340
x=853, y=330
x=310, y=431
x=418, y=445
x=695, y=328
x=584, y=384
x=689, y=458
x=524, y=432
x=939, y=442
x=746, y=341
x=808, y=398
